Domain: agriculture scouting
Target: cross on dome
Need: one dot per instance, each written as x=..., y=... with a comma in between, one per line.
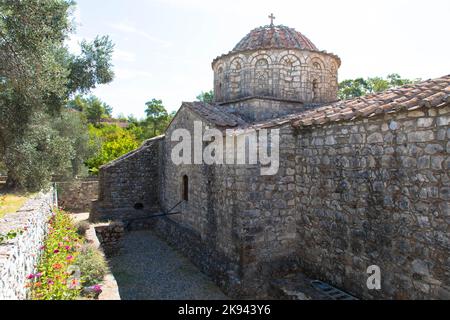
x=271, y=17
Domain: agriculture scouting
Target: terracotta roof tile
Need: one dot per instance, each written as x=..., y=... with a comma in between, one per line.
x=214, y=114
x=430, y=94
x=274, y=37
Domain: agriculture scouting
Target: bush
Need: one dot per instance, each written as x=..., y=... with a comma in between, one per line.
x=92, y=265
x=114, y=142
x=82, y=227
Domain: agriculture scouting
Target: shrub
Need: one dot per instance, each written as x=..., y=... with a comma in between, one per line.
x=82, y=227
x=92, y=265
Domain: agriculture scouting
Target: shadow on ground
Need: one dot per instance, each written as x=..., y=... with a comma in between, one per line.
x=147, y=268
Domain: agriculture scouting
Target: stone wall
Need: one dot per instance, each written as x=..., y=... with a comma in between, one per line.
x=260, y=108
x=354, y=194
x=208, y=229
x=129, y=186
x=109, y=235
x=294, y=74
x=348, y=195
x=76, y=196
x=19, y=256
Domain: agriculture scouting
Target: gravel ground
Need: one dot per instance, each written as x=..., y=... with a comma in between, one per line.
x=147, y=268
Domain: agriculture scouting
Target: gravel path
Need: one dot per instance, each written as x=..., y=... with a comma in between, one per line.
x=149, y=269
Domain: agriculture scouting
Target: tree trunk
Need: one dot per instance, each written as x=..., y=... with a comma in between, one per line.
x=12, y=184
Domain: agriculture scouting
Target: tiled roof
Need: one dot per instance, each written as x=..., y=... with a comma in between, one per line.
x=279, y=37
x=431, y=94
x=214, y=114
x=274, y=37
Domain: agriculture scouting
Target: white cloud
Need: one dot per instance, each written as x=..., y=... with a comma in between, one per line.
x=129, y=28
x=123, y=74
x=125, y=56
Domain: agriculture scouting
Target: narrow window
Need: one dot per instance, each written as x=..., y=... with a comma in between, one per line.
x=315, y=89
x=185, y=188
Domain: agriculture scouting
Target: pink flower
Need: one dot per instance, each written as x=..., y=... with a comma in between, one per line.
x=38, y=275
x=69, y=258
x=56, y=251
x=97, y=288
x=67, y=247
x=41, y=247
x=50, y=281
x=30, y=276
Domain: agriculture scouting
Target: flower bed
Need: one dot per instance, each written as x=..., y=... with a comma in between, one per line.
x=68, y=267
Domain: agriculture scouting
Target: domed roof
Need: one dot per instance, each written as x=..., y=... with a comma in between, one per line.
x=274, y=37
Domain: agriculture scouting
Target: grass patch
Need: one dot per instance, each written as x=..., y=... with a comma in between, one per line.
x=11, y=203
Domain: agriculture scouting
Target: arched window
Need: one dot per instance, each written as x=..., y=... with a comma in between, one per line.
x=315, y=90
x=185, y=188
x=218, y=94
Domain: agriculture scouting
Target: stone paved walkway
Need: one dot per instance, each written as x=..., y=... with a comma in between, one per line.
x=149, y=269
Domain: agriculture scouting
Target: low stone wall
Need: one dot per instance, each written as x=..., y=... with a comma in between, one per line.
x=19, y=256
x=109, y=235
x=76, y=196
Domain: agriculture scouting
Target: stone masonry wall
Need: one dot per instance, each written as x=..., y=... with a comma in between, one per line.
x=76, y=196
x=130, y=184
x=19, y=256
x=208, y=228
x=285, y=74
x=354, y=194
x=348, y=195
x=109, y=236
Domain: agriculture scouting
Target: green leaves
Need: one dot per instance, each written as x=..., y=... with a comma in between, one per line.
x=93, y=66
x=207, y=97
x=157, y=116
x=114, y=142
x=10, y=235
x=37, y=154
x=37, y=77
x=349, y=89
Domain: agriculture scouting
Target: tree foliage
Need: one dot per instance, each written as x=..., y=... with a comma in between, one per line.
x=354, y=88
x=114, y=142
x=156, y=115
x=37, y=76
x=92, y=107
x=207, y=96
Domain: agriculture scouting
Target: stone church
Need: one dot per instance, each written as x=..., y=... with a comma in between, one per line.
x=361, y=182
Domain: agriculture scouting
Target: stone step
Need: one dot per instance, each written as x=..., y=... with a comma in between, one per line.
x=299, y=287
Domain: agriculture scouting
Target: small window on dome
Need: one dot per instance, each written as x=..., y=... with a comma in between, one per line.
x=315, y=90
x=262, y=63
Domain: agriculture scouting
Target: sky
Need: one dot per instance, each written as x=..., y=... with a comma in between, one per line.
x=164, y=48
